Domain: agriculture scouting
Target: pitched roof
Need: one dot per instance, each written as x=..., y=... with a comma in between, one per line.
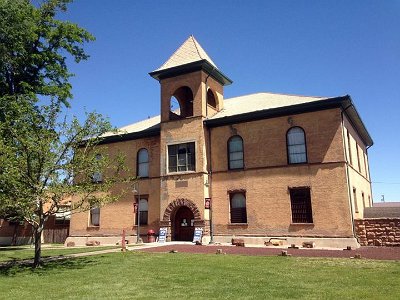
x=259, y=102
x=252, y=107
x=190, y=51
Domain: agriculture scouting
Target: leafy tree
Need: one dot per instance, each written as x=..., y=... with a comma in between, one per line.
x=46, y=157
x=48, y=161
x=33, y=49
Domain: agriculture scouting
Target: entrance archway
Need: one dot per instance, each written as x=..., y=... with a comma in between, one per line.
x=183, y=224
x=173, y=218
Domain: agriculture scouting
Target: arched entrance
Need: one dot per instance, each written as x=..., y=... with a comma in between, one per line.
x=181, y=217
x=183, y=224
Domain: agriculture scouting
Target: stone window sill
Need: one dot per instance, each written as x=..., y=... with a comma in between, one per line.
x=92, y=227
x=302, y=224
x=180, y=173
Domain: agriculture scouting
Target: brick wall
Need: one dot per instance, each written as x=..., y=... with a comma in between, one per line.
x=378, y=232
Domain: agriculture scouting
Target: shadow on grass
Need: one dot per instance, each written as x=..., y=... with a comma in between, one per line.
x=14, y=267
x=14, y=248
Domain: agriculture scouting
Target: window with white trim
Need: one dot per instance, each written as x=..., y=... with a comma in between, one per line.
x=94, y=218
x=143, y=163
x=181, y=157
x=235, y=152
x=296, y=145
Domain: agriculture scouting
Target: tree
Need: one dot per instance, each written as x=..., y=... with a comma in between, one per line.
x=46, y=157
x=33, y=49
x=48, y=161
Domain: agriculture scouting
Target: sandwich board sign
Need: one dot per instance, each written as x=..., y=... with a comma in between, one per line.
x=162, y=235
x=198, y=233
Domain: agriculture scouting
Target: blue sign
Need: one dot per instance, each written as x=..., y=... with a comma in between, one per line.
x=162, y=235
x=198, y=233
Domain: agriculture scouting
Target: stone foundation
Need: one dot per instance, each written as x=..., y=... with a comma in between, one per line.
x=378, y=232
x=286, y=241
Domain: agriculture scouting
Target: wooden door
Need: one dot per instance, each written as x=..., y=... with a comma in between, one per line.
x=183, y=224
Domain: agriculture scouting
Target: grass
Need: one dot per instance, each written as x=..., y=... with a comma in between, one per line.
x=200, y=276
x=24, y=252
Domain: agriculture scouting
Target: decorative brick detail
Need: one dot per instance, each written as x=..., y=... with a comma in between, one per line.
x=173, y=206
x=378, y=232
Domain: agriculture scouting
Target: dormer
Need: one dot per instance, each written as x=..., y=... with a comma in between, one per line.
x=191, y=83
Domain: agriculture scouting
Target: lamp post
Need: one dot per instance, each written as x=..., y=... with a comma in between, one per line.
x=208, y=184
x=137, y=191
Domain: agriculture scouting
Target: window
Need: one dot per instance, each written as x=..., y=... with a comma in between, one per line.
x=97, y=177
x=143, y=163
x=355, y=200
x=349, y=147
x=300, y=200
x=365, y=165
x=63, y=215
x=238, y=208
x=181, y=157
x=296, y=145
x=358, y=158
x=143, y=212
x=363, y=199
x=94, y=216
x=235, y=152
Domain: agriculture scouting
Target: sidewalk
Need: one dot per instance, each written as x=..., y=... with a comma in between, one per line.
x=27, y=262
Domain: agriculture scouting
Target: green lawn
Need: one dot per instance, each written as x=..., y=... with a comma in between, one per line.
x=203, y=276
x=24, y=252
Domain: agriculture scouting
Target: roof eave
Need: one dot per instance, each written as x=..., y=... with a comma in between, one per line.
x=343, y=102
x=354, y=117
x=203, y=64
x=154, y=131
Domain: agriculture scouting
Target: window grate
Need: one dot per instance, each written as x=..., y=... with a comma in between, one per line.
x=301, y=205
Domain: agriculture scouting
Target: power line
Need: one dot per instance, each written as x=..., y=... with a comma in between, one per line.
x=381, y=182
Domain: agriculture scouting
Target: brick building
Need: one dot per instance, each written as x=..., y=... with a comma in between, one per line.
x=273, y=165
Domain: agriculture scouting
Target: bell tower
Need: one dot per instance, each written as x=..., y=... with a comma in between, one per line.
x=191, y=90
x=191, y=83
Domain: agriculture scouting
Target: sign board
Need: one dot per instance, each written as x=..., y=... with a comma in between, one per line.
x=162, y=234
x=207, y=203
x=198, y=233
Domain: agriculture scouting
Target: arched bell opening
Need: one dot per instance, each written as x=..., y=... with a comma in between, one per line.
x=181, y=103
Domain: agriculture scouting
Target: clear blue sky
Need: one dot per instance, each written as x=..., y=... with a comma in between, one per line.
x=321, y=48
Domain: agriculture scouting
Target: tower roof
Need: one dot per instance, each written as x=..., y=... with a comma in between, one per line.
x=190, y=51
x=189, y=57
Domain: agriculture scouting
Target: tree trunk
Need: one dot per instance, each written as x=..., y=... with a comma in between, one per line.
x=38, y=245
x=15, y=235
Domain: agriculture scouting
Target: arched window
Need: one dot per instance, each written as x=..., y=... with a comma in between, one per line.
x=143, y=163
x=235, y=153
x=238, y=208
x=97, y=177
x=211, y=98
x=296, y=145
